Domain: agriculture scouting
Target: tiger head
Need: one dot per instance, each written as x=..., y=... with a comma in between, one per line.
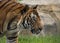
x=32, y=22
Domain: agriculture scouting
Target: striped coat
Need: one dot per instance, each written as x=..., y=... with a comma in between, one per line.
x=11, y=15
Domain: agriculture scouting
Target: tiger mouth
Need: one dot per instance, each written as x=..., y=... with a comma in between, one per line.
x=35, y=31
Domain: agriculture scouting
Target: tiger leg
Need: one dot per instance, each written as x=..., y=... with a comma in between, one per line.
x=12, y=39
x=12, y=33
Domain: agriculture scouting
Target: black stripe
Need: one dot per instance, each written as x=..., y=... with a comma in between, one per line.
x=20, y=7
x=4, y=3
x=7, y=9
x=8, y=27
x=9, y=4
x=11, y=38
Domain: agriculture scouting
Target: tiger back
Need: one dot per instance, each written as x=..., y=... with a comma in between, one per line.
x=8, y=10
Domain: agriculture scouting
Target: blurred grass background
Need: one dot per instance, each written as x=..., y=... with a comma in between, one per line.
x=34, y=39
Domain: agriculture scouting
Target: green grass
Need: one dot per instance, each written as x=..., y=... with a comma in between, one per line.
x=2, y=40
x=33, y=39
x=47, y=39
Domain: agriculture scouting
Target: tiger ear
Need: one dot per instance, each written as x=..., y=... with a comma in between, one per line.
x=25, y=9
x=35, y=7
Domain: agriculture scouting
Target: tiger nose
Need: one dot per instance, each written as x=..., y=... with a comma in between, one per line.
x=38, y=31
x=33, y=31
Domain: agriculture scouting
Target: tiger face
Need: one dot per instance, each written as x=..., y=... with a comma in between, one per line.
x=32, y=22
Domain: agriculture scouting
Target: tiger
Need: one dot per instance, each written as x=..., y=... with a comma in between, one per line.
x=13, y=15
